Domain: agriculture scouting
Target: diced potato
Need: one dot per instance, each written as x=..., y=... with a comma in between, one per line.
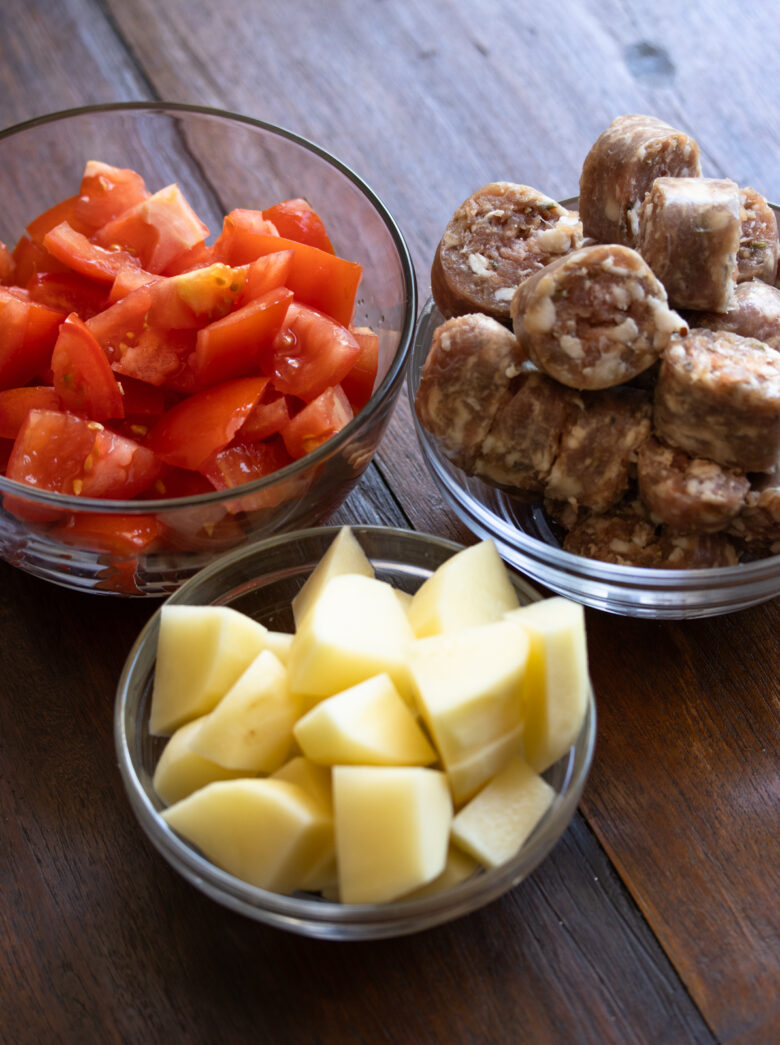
x=468, y=775
x=557, y=684
x=354, y=630
x=392, y=827
x=201, y=651
x=458, y=868
x=367, y=724
x=251, y=728
x=180, y=771
x=496, y=822
x=468, y=685
x=279, y=642
x=315, y=781
x=471, y=588
x=343, y=556
x=267, y=832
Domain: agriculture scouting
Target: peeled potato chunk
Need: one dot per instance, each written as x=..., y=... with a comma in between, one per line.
x=367, y=724
x=251, y=728
x=458, y=868
x=556, y=681
x=267, y=832
x=343, y=556
x=468, y=685
x=357, y=628
x=472, y=587
x=468, y=774
x=392, y=827
x=201, y=651
x=497, y=821
x=315, y=781
x=180, y=771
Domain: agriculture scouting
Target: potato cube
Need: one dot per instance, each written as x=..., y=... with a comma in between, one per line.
x=392, y=827
x=367, y=724
x=473, y=587
x=556, y=684
x=458, y=868
x=279, y=642
x=315, y=781
x=201, y=651
x=496, y=822
x=343, y=556
x=251, y=728
x=179, y=771
x=470, y=773
x=267, y=832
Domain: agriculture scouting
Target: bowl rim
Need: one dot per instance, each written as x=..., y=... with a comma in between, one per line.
x=321, y=918
x=391, y=380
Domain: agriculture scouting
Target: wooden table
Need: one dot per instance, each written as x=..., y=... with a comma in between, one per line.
x=656, y=919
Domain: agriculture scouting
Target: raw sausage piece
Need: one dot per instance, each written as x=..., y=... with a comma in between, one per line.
x=758, y=524
x=718, y=396
x=471, y=369
x=497, y=237
x=689, y=234
x=689, y=494
x=523, y=441
x=596, y=318
x=758, y=245
x=621, y=166
x=755, y=312
x=598, y=449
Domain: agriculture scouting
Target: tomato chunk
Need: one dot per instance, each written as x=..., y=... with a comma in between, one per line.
x=269, y=416
x=358, y=384
x=83, y=378
x=241, y=232
x=317, y=422
x=65, y=211
x=106, y=192
x=16, y=403
x=29, y=258
x=296, y=219
x=310, y=352
x=204, y=423
x=7, y=264
x=28, y=331
x=73, y=249
x=117, y=534
x=68, y=292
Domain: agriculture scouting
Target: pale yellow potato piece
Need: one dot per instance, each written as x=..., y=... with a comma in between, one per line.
x=267, y=832
x=367, y=724
x=343, y=556
x=470, y=773
x=557, y=682
x=392, y=827
x=494, y=824
x=179, y=771
x=458, y=868
x=251, y=728
x=473, y=587
x=316, y=781
x=201, y=651
x=356, y=629
x=279, y=642
x=468, y=685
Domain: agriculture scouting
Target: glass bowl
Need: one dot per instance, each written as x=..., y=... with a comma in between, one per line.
x=526, y=540
x=261, y=580
x=221, y=161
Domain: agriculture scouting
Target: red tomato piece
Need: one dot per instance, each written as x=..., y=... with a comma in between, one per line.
x=243, y=463
x=127, y=280
x=159, y=357
x=106, y=192
x=123, y=534
x=230, y=347
x=7, y=264
x=118, y=326
x=157, y=231
x=65, y=210
x=264, y=274
x=310, y=353
x=296, y=219
x=73, y=249
x=180, y=482
x=68, y=292
x=241, y=229
x=83, y=377
x=27, y=335
x=358, y=384
x=204, y=423
x=317, y=422
x=16, y=403
x=200, y=256
x=269, y=416
x=29, y=259
x=194, y=298
x=142, y=399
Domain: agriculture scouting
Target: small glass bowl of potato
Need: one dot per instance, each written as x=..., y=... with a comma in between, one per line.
x=318, y=730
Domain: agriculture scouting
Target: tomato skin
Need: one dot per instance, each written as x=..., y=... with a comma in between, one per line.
x=358, y=384
x=269, y=416
x=83, y=378
x=67, y=292
x=80, y=254
x=310, y=353
x=7, y=264
x=30, y=259
x=264, y=274
x=16, y=403
x=317, y=422
x=28, y=331
x=106, y=192
x=204, y=423
x=242, y=229
x=296, y=219
x=64, y=211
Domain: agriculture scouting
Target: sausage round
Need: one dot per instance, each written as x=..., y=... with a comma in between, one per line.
x=496, y=238
x=758, y=523
x=759, y=246
x=754, y=312
x=595, y=318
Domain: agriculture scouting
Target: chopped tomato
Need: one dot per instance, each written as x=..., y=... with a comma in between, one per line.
x=230, y=347
x=296, y=219
x=269, y=416
x=179, y=482
x=83, y=377
x=241, y=229
x=204, y=423
x=193, y=298
x=358, y=384
x=127, y=280
x=309, y=353
x=264, y=274
x=29, y=258
x=16, y=403
x=200, y=256
x=65, y=210
x=118, y=326
x=68, y=292
x=73, y=249
x=106, y=192
x=159, y=357
x=27, y=335
x=157, y=231
x=123, y=534
x=242, y=463
x=7, y=264
x=141, y=399
x=317, y=422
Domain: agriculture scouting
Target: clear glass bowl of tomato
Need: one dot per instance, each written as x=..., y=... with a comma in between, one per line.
x=264, y=238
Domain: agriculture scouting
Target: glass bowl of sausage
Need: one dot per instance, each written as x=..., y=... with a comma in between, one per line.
x=204, y=325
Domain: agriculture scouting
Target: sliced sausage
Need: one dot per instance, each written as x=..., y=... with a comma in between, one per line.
x=621, y=166
x=689, y=234
x=470, y=370
x=496, y=238
x=718, y=396
x=758, y=523
x=754, y=312
x=758, y=245
x=594, y=319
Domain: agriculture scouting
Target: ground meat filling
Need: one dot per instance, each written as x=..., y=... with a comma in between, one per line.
x=754, y=312
x=758, y=246
x=758, y=523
